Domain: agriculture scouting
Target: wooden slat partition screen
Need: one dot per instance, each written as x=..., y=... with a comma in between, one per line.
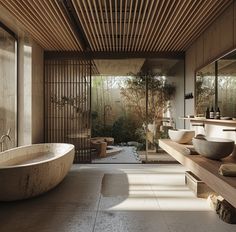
x=68, y=104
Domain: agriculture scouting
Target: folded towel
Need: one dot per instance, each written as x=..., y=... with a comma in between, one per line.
x=227, y=170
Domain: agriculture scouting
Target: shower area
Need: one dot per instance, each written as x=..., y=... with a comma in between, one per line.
x=106, y=106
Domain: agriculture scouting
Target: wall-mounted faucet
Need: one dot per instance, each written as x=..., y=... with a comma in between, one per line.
x=198, y=124
x=229, y=130
x=3, y=139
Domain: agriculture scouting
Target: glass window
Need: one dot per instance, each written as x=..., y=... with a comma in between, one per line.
x=8, y=87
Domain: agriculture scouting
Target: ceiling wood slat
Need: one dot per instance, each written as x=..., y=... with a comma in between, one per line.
x=202, y=27
x=94, y=24
x=200, y=12
x=120, y=30
x=164, y=21
x=141, y=25
x=116, y=25
x=137, y=27
x=99, y=26
x=23, y=18
x=124, y=26
x=112, y=26
x=107, y=25
x=179, y=21
x=180, y=10
x=148, y=23
x=128, y=27
x=84, y=24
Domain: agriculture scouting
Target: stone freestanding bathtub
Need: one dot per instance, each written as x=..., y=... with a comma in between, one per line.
x=29, y=171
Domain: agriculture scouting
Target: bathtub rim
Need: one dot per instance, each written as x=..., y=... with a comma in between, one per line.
x=71, y=148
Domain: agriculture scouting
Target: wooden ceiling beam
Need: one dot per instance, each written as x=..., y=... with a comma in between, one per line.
x=112, y=55
x=83, y=20
x=70, y=12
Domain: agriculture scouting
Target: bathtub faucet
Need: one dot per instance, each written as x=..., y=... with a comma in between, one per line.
x=3, y=139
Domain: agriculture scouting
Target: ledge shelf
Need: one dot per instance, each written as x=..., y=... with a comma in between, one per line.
x=212, y=121
x=205, y=169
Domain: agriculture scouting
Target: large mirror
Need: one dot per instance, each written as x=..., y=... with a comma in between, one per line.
x=215, y=86
x=227, y=85
x=205, y=89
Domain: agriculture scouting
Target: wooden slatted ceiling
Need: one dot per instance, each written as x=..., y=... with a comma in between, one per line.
x=118, y=25
x=146, y=25
x=45, y=21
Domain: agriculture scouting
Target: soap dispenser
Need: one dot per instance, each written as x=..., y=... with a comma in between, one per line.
x=212, y=112
x=217, y=116
x=207, y=113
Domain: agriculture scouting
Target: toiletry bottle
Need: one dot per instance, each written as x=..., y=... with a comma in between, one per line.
x=207, y=113
x=217, y=116
x=212, y=113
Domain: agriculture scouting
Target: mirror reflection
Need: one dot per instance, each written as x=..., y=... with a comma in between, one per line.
x=227, y=85
x=205, y=89
x=215, y=86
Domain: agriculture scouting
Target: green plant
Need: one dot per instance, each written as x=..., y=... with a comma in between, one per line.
x=160, y=92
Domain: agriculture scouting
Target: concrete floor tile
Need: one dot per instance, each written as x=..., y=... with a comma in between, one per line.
x=135, y=198
x=130, y=203
x=130, y=222
x=47, y=221
x=196, y=221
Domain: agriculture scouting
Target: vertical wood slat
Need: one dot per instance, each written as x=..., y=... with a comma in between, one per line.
x=68, y=79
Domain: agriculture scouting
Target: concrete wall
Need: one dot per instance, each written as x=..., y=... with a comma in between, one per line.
x=218, y=39
x=8, y=103
x=30, y=84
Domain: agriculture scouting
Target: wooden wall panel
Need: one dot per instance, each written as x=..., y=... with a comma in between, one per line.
x=199, y=57
x=226, y=30
x=68, y=105
x=211, y=42
x=216, y=40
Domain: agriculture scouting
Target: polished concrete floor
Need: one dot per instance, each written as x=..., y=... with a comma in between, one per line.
x=115, y=198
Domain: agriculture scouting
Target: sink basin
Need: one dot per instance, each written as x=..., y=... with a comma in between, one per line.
x=181, y=135
x=213, y=148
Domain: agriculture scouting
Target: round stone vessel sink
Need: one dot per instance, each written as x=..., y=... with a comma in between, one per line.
x=213, y=148
x=181, y=135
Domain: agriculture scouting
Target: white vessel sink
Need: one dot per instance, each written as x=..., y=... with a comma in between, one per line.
x=181, y=135
x=213, y=148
